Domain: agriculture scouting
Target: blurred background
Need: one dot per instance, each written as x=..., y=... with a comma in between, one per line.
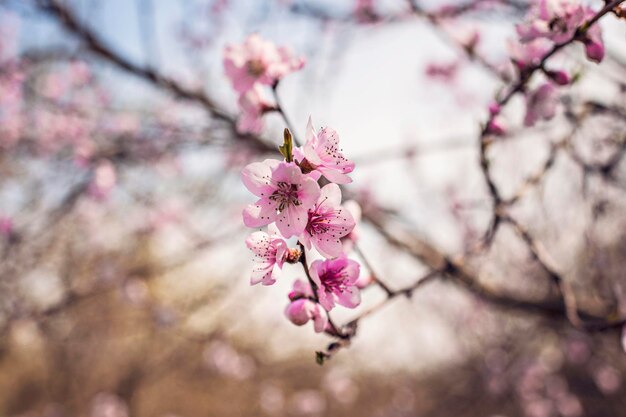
x=124, y=278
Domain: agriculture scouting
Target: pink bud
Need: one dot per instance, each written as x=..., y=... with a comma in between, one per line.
x=594, y=50
x=494, y=108
x=559, y=77
x=494, y=127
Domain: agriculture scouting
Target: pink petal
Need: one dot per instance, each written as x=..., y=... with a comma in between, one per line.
x=330, y=196
x=328, y=247
x=292, y=221
x=256, y=176
x=350, y=298
x=309, y=193
x=260, y=214
x=334, y=175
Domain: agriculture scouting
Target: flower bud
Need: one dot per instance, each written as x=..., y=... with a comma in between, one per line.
x=559, y=77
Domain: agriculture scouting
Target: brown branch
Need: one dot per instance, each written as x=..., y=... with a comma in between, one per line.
x=455, y=271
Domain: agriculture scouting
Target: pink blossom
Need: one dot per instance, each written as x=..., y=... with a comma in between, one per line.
x=496, y=127
x=302, y=307
x=103, y=182
x=528, y=54
x=559, y=77
x=286, y=195
x=541, y=103
x=364, y=11
x=558, y=21
x=300, y=311
x=258, y=61
x=328, y=222
x=301, y=289
x=321, y=153
x=594, y=45
x=335, y=280
x=252, y=105
x=270, y=253
x=6, y=226
x=443, y=72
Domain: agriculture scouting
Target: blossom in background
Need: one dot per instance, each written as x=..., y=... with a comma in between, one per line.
x=594, y=44
x=286, y=195
x=327, y=223
x=443, y=72
x=336, y=282
x=258, y=61
x=252, y=105
x=302, y=308
x=321, y=153
x=528, y=54
x=365, y=12
x=6, y=226
x=270, y=252
x=558, y=21
x=103, y=182
x=541, y=103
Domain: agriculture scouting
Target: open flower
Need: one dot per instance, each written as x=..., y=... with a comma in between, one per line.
x=321, y=153
x=286, y=195
x=327, y=223
x=270, y=252
x=258, y=61
x=336, y=282
x=541, y=103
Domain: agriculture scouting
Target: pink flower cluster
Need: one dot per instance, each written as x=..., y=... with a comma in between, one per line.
x=291, y=203
x=251, y=66
x=550, y=23
x=559, y=21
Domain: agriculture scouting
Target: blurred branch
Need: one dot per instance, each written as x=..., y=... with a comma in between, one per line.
x=99, y=48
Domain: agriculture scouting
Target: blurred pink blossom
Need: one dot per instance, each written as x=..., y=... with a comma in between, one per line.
x=258, y=61
x=445, y=73
x=558, y=21
x=107, y=404
x=541, y=103
x=103, y=182
x=252, y=105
